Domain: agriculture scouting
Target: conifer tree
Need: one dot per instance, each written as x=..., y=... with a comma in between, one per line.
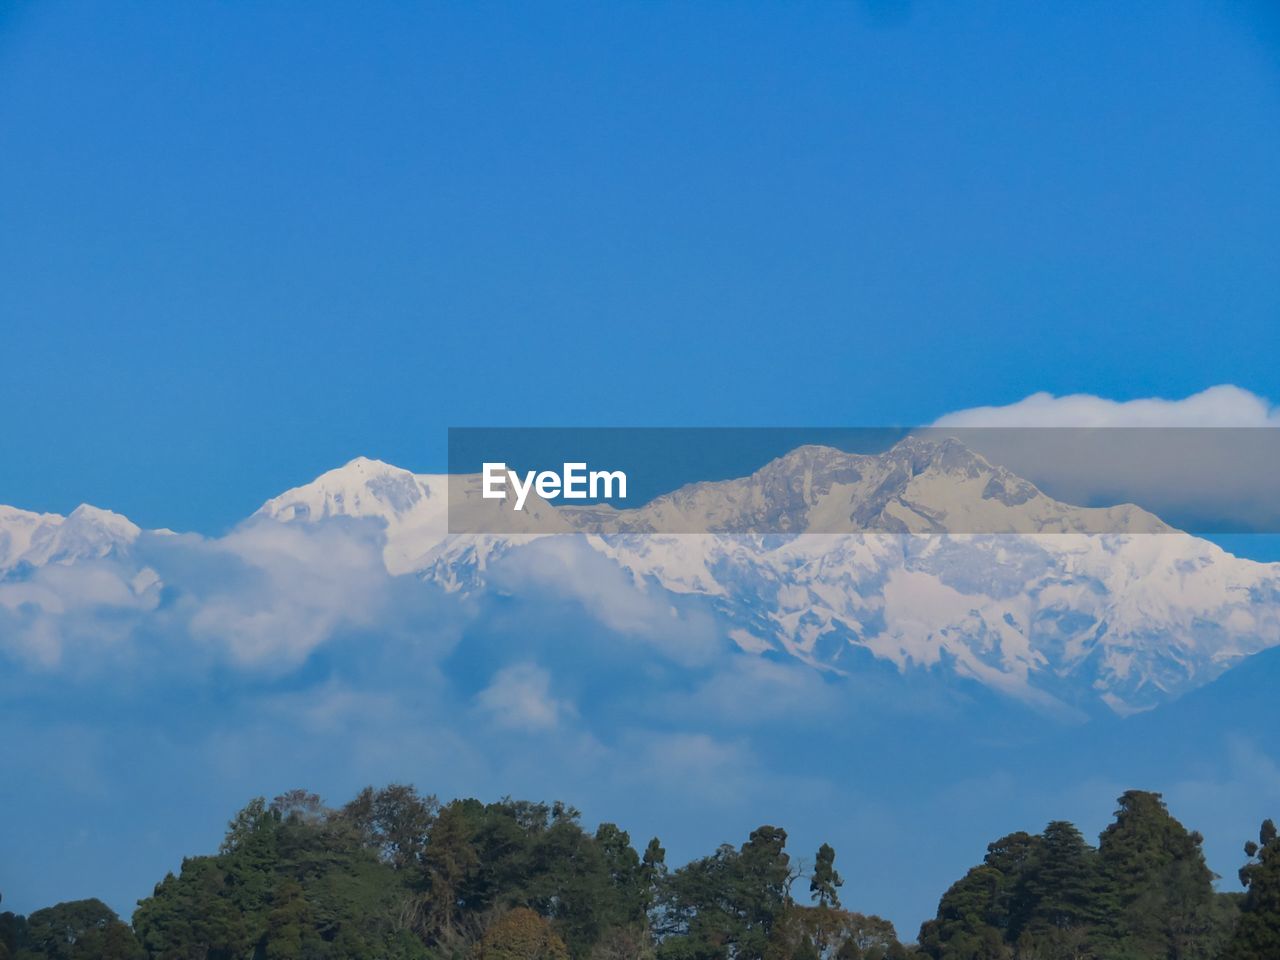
x=825, y=881
x=1257, y=934
x=1161, y=892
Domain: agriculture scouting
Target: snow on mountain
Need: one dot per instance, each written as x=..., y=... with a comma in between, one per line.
x=1047, y=609
x=917, y=486
x=413, y=508
x=1130, y=619
x=1060, y=611
x=37, y=539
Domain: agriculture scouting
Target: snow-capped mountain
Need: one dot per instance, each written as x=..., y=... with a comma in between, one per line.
x=1045, y=608
x=414, y=508
x=1131, y=618
x=917, y=486
x=38, y=539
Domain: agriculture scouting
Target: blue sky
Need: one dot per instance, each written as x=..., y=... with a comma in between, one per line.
x=242, y=245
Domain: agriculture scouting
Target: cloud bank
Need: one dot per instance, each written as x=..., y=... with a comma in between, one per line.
x=1208, y=463
x=1224, y=405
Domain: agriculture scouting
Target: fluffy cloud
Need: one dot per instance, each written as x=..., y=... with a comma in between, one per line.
x=98, y=603
x=1222, y=406
x=567, y=569
x=1207, y=463
x=749, y=691
x=519, y=698
x=299, y=586
x=264, y=597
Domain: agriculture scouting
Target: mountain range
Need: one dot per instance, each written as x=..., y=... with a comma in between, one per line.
x=868, y=567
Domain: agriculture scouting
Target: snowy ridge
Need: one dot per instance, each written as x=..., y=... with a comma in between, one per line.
x=917, y=486
x=1047, y=612
x=412, y=507
x=37, y=539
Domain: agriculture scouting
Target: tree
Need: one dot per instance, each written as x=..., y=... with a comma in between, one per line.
x=192, y=913
x=298, y=805
x=1068, y=906
x=1257, y=934
x=1162, y=891
x=1014, y=856
x=395, y=821
x=825, y=882
x=450, y=864
x=291, y=933
x=965, y=927
x=247, y=823
x=830, y=933
x=293, y=881
x=521, y=934
x=623, y=943
x=731, y=903
x=13, y=934
x=76, y=929
x=762, y=889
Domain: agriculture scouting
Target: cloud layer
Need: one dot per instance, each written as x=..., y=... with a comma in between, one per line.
x=1222, y=406
x=1208, y=463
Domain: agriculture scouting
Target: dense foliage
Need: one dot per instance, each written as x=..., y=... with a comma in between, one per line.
x=1144, y=893
x=395, y=875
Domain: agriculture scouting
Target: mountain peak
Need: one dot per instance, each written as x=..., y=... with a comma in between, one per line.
x=364, y=464
x=410, y=506
x=88, y=532
x=362, y=487
x=87, y=513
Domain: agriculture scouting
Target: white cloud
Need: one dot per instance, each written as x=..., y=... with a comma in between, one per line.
x=265, y=597
x=751, y=691
x=303, y=583
x=1200, y=462
x=1222, y=406
x=567, y=568
x=519, y=698
x=58, y=606
x=690, y=763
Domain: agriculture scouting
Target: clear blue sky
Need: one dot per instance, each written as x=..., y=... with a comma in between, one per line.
x=240, y=244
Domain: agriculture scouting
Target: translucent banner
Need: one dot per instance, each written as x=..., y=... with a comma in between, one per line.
x=932, y=480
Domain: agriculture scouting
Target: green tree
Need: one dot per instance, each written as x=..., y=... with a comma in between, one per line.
x=249, y=822
x=521, y=934
x=1257, y=934
x=1162, y=891
x=966, y=924
x=450, y=866
x=729, y=904
x=395, y=820
x=291, y=930
x=653, y=872
x=1068, y=908
x=72, y=930
x=1014, y=856
x=292, y=880
x=13, y=934
x=193, y=914
x=825, y=882
x=762, y=889
x=830, y=933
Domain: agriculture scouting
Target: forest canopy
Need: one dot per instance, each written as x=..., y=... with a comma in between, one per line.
x=397, y=874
